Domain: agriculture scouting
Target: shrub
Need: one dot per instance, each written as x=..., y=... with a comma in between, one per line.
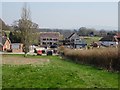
x=103, y=57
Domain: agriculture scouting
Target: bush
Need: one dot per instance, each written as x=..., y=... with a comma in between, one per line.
x=103, y=57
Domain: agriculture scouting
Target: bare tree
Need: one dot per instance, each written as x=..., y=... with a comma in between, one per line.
x=26, y=28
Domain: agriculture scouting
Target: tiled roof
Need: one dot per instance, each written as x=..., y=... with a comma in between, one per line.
x=67, y=34
x=107, y=38
x=71, y=35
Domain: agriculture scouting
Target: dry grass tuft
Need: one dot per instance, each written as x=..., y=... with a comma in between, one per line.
x=103, y=57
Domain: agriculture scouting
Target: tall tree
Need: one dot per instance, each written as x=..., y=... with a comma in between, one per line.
x=15, y=37
x=82, y=31
x=26, y=27
x=3, y=26
x=103, y=32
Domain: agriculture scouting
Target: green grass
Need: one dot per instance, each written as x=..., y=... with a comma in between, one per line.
x=57, y=74
x=91, y=39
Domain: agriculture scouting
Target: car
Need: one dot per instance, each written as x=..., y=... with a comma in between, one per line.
x=39, y=52
x=49, y=52
x=53, y=46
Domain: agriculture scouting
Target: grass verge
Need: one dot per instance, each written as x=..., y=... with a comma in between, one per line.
x=59, y=73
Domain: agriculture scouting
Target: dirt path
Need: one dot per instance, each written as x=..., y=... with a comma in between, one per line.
x=22, y=60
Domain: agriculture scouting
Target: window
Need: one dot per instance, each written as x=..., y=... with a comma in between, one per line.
x=55, y=39
x=44, y=39
x=55, y=43
x=44, y=43
x=50, y=43
x=51, y=39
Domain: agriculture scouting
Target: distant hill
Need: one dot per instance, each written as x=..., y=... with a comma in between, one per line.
x=3, y=26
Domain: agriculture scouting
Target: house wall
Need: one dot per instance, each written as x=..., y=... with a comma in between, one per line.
x=108, y=43
x=78, y=46
x=76, y=41
x=6, y=46
x=1, y=48
x=50, y=38
x=75, y=36
x=17, y=48
x=48, y=41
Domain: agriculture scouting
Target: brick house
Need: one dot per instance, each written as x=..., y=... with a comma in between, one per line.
x=5, y=43
x=49, y=38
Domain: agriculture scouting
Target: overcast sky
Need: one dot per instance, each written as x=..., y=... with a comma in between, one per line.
x=66, y=15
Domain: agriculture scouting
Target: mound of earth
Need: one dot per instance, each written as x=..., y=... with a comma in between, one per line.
x=22, y=60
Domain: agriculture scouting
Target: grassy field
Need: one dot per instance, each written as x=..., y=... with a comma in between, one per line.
x=58, y=73
x=89, y=40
